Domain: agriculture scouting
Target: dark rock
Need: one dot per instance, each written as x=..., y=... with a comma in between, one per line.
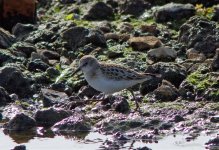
x=121, y=105
x=195, y=56
x=51, y=97
x=13, y=80
x=136, y=7
x=96, y=37
x=61, y=87
x=21, y=122
x=50, y=54
x=37, y=65
x=24, y=47
x=99, y=11
x=200, y=34
x=120, y=125
x=164, y=54
x=112, y=3
x=8, y=56
x=126, y=27
x=68, y=1
x=114, y=55
x=117, y=37
x=174, y=11
x=13, y=97
x=36, y=57
x=186, y=90
x=87, y=91
x=52, y=72
x=79, y=36
x=4, y=97
x=48, y=117
x=153, y=29
x=120, y=136
x=178, y=118
x=44, y=36
x=104, y=26
x=166, y=126
x=200, y=86
x=215, y=16
x=21, y=31
x=215, y=62
x=20, y=147
x=75, y=36
x=166, y=92
x=142, y=148
x=1, y=116
x=213, y=142
x=173, y=73
x=150, y=124
x=211, y=94
x=149, y=85
x=194, y=2
x=214, y=119
x=6, y=39
x=76, y=122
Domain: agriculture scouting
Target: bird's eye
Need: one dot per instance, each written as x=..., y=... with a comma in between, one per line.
x=85, y=64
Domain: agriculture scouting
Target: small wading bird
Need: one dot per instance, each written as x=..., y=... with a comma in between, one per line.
x=110, y=78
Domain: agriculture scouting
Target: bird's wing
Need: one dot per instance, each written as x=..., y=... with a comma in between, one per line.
x=118, y=72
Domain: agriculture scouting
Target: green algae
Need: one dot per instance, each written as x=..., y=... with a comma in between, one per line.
x=201, y=81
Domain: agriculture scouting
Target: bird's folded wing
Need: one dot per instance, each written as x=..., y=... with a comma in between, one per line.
x=118, y=72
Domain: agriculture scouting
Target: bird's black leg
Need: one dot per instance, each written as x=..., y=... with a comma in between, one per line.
x=136, y=101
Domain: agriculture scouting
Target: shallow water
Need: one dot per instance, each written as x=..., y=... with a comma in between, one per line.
x=93, y=141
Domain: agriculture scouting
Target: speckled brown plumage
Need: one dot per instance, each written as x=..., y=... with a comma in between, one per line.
x=118, y=72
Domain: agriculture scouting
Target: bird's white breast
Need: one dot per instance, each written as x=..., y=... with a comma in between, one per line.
x=109, y=86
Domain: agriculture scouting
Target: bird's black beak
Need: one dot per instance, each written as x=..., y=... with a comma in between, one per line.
x=78, y=69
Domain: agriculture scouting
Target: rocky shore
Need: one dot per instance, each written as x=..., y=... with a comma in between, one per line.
x=179, y=40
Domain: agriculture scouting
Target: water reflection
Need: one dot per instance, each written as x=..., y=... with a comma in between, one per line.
x=42, y=138
x=20, y=137
x=80, y=135
x=25, y=136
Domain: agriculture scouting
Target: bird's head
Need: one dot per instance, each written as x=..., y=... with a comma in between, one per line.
x=87, y=64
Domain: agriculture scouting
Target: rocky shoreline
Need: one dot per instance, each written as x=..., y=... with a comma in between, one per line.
x=178, y=40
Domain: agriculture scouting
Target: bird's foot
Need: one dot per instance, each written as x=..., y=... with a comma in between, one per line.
x=137, y=107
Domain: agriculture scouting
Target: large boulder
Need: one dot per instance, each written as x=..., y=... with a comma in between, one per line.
x=6, y=39
x=23, y=47
x=162, y=54
x=48, y=117
x=21, y=122
x=173, y=73
x=80, y=36
x=76, y=122
x=174, y=11
x=21, y=31
x=6, y=56
x=51, y=97
x=166, y=92
x=149, y=85
x=14, y=81
x=99, y=11
x=136, y=7
x=200, y=34
x=4, y=97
